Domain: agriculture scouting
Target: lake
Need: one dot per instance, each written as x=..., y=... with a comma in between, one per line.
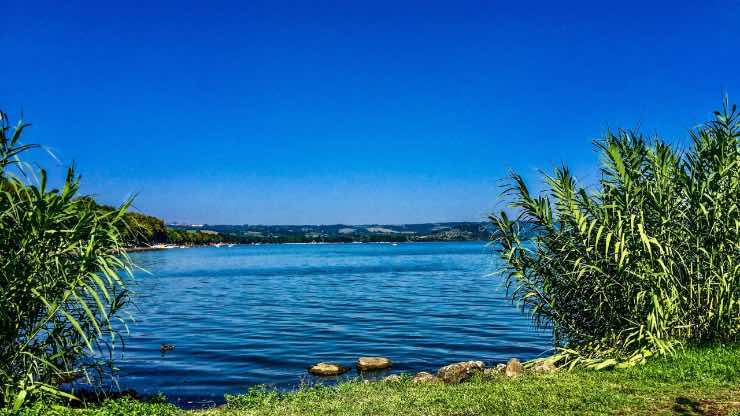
x=261, y=314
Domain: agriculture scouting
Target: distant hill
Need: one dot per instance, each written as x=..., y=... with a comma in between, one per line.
x=441, y=231
x=143, y=230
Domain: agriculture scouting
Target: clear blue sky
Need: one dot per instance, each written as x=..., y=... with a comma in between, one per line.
x=352, y=112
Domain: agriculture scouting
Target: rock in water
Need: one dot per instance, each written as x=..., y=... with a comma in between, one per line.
x=373, y=363
x=458, y=372
x=514, y=368
x=327, y=369
x=424, y=377
x=166, y=348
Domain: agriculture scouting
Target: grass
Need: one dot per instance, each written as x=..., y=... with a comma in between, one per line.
x=702, y=381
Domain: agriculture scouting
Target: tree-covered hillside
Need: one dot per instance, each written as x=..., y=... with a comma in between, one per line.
x=448, y=231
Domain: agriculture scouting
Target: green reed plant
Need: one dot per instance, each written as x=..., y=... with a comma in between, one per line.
x=645, y=262
x=61, y=277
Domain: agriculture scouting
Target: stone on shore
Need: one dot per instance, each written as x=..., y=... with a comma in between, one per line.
x=392, y=378
x=514, y=368
x=424, y=377
x=327, y=369
x=500, y=369
x=373, y=363
x=459, y=372
x=544, y=368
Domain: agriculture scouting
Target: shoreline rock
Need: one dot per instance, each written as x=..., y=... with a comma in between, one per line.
x=393, y=378
x=373, y=363
x=500, y=369
x=513, y=368
x=544, y=368
x=424, y=377
x=450, y=374
x=459, y=372
x=327, y=369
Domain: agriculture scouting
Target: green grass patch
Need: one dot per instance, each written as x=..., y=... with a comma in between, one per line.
x=696, y=382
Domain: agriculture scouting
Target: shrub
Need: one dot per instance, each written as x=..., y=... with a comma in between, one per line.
x=647, y=261
x=60, y=288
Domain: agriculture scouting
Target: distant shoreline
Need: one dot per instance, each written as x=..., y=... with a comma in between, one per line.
x=173, y=246
x=137, y=249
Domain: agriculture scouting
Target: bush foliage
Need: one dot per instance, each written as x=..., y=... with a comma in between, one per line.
x=60, y=287
x=645, y=262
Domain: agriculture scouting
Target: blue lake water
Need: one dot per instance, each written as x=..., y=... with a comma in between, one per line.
x=246, y=315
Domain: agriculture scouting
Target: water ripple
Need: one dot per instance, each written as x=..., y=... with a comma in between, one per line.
x=251, y=315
